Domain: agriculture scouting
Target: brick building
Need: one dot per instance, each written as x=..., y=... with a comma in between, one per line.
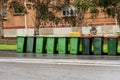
x=14, y=23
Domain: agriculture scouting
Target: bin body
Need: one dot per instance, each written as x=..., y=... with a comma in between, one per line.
x=62, y=45
x=112, y=46
x=40, y=44
x=74, y=45
x=21, y=44
x=86, y=45
x=51, y=45
x=30, y=44
x=98, y=45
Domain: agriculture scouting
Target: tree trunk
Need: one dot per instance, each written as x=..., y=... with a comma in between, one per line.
x=1, y=29
x=36, y=30
x=80, y=18
x=118, y=13
x=118, y=20
x=37, y=23
x=1, y=18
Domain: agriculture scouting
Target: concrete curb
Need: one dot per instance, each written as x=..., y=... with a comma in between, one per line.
x=63, y=61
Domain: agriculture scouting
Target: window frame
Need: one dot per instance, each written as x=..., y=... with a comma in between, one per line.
x=67, y=10
x=5, y=15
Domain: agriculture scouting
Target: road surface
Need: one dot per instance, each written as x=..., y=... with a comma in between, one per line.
x=10, y=69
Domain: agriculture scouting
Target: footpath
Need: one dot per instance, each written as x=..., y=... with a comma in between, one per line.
x=97, y=60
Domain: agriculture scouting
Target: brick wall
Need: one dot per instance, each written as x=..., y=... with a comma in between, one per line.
x=61, y=31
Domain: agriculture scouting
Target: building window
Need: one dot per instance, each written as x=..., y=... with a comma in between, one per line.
x=64, y=13
x=5, y=13
x=68, y=11
x=17, y=10
x=17, y=7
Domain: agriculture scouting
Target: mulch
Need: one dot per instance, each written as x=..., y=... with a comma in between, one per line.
x=9, y=41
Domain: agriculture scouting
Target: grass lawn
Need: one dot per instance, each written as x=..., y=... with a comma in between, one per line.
x=105, y=48
x=8, y=47
x=14, y=47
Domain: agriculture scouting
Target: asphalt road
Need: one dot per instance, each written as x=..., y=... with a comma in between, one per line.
x=38, y=71
x=45, y=67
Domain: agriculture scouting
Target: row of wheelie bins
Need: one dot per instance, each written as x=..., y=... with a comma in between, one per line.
x=60, y=44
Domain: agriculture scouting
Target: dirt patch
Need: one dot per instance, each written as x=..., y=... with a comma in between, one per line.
x=9, y=41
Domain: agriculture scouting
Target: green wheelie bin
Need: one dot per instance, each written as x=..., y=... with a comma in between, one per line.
x=98, y=44
x=74, y=45
x=112, y=45
x=86, y=45
x=51, y=44
x=62, y=44
x=40, y=44
x=21, y=43
x=30, y=48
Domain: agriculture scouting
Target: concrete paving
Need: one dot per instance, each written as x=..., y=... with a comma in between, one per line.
x=57, y=56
